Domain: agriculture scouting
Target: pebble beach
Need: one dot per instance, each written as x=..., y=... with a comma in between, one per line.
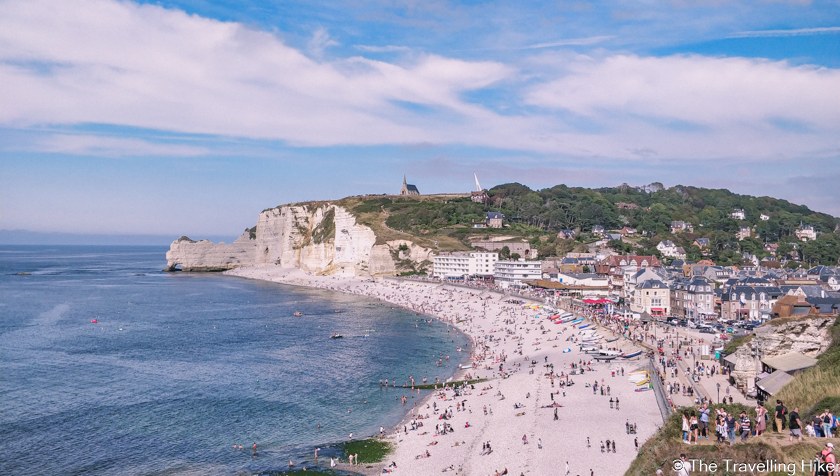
x=523, y=359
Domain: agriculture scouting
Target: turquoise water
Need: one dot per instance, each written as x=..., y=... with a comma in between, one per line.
x=181, y=366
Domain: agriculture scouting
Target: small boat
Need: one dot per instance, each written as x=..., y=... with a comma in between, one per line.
x=337, y=311
x=643, y=389
x=94, y=321
x=604, y=357
x=298, y=313
x=336, y=336
x=634, y=354
x=611, y=339
x=464, y=367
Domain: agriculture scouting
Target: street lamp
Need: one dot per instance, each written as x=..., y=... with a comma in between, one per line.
x=718, y=387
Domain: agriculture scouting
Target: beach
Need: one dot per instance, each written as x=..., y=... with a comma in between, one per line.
x=514, y=347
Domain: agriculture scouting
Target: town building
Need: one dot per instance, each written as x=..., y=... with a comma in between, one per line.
x=738, y=214
x=670, y=249
x=408, y=189
x=522, y=248
x=616, y=267
x=495, y=219
x=479, y=195
x=701, y=243
x=744, y=302
x=462, y=264
x=806, y=232
x=652, y=297
x=679, y=226
x=566, y=234
x=693, y=299
x=512, y=273
x=764, y=217
x=743, y=232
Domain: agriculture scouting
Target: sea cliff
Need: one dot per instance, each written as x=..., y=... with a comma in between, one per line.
x=318, y=238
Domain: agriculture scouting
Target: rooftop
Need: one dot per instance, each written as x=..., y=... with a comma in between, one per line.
x=790, y=362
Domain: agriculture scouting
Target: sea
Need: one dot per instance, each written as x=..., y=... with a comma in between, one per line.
x=180, y=367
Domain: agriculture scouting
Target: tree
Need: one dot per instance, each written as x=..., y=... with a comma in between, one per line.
x=515, y=256
x=504, y=253
x=824, y=250
x=586, y=268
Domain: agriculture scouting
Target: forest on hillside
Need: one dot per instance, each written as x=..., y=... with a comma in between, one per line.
x=540, y=214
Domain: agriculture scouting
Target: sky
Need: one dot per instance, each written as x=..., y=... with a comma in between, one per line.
x=189, y=117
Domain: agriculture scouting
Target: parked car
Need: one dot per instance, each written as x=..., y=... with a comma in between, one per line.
x=706, y=330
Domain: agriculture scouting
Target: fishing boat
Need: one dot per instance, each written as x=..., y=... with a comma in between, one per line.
x=336, y=336
x=298, y=313
x=634, y=354
x=604, y=357
x=584, y=326
x=611, y=339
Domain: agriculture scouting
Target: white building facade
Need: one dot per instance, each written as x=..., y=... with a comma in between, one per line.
x=512, y=273
x=464, y=264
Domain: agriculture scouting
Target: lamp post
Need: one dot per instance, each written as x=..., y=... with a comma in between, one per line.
x=718, y=388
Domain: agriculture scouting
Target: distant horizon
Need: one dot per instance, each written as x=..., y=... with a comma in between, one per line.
x=29, y=237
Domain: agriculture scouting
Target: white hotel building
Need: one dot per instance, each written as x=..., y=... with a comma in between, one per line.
x=464, y=264
x=512, y=273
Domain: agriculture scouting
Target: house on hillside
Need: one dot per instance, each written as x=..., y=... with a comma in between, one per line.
x=627, y=231
x=701, y=243
x=764, y=217
x=738, y=214
x=495, y=219
x=480, y=197
x=670, y=249
x=743, y=232
x=679, y=226
x=598, y=230
x=806, y=232
x=566, y=234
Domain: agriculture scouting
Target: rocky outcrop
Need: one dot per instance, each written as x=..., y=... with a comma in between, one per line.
x=809, y=335
x=317, y=238
x=203, y=255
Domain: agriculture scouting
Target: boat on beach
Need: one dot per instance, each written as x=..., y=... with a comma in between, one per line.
x=634, y=354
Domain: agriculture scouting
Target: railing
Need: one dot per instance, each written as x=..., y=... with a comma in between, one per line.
x=659, y=390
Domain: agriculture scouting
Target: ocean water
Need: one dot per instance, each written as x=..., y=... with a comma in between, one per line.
x=182, y=366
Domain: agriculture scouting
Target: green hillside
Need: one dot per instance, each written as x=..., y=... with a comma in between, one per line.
x=539, y=214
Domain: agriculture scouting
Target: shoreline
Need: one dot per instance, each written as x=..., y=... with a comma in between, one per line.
x=526, y=436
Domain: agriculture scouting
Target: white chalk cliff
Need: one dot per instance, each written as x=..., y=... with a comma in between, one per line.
x=317, y=238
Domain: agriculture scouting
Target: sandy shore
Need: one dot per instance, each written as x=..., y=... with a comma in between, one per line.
x=511, y=336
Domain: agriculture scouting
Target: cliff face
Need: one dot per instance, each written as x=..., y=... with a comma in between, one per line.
x=810, y=336
x=318, y=239
x=205, y=256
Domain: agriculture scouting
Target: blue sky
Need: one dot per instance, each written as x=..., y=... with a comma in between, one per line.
x=190, y=117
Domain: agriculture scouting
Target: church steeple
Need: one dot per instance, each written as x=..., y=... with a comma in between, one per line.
x=404, y=180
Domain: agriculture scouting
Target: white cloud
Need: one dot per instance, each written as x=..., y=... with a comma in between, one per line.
x=163, y=69
x=702, y=106
x=381, y=49
x=796, y=32
x=320, y=41
x=160, y=69
x=570, y=42
x=114, y=147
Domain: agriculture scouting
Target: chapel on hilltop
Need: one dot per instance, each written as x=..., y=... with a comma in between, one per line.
x=408, y=189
